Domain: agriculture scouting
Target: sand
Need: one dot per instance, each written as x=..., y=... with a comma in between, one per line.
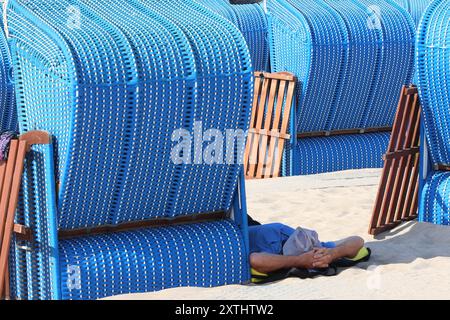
x=411, y=262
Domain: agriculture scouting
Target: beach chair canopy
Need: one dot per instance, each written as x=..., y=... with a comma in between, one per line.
x=251, y=20
x=351, y=64
x=117, y=96
x=416, y=8
x=8, y=113
x=433, y=60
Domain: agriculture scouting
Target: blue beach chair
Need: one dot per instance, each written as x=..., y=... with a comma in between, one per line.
x=8, y=118
x=416, y=8
x=433, y=60
x=252, y=22
x=110, y=211
x=350, y=69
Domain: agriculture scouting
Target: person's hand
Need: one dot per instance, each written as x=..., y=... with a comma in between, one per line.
x=322, y=258
x=306, y=260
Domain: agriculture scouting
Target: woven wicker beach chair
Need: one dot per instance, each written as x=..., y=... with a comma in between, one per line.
x=416, y=8
x=252, y=22
x=350, y=74
x=8, y=112
x=118, y=215
x=433, y=60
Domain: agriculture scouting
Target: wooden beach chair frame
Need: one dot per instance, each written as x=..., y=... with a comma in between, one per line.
x=271, y=117
x=397, y=199
x=11, y=172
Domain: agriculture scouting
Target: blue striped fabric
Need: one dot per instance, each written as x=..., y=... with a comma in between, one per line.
x=224, y=100
x=32, y=269
x=350, y=63
x=329, y=49
x=337, y=153
x=416, y=8
x=436, y=199
x=252, y=22
x=433, y=60
x=194, y=59
x=200, y=255
x=8, y=112
x=112, y=92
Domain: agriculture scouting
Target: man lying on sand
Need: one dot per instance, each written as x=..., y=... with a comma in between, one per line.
x=276, y=246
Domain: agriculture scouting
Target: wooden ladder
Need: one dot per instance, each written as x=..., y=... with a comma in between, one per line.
x=268, y=133
x=11, y=172
x=397, y=199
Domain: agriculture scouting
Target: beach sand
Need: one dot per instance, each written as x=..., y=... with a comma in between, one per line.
x=411, y=262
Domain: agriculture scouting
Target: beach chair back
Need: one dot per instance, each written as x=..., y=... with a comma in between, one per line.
x=397, y=199
x=130, y=114
x=272, y=106
x=11, y=171
x=433, y=73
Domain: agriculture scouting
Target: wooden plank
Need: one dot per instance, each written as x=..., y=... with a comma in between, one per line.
x=7, y=185
x=267, y=126
x=6, y=192
x=212, y=216
x=397, y=198
x=394, y=145
x=251, y=136
x=401, y=163
x=413, y=140
x=284, y=128
x=253, y=156
x=268, y=130
x=386, y=178
x=276, y=123
x=11, y=208
x=286, y=76
x=318, y=134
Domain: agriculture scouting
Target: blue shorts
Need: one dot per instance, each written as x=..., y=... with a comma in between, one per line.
x=270, y=238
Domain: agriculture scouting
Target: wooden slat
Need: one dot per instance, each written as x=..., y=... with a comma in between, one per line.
x=11, y=208
x=397, y=200
x=286, y=76
x=273, y=141
x=257, y=91
x=255, y=140
x=399, y=164
x=270, y=120
x=267, y=124
x=284, y=128
x=386, y=177
x=213, y=216
x=7, y=284
x=318, y=134
x=408, y=160
x=6, y=191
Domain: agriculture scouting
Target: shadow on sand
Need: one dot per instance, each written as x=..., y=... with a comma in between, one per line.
x=409, y=242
